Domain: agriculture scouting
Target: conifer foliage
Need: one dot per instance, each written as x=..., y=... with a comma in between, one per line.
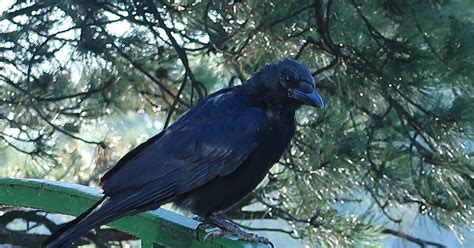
x=397, y=77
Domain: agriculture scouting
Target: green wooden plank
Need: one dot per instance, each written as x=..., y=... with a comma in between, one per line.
x=159, y=226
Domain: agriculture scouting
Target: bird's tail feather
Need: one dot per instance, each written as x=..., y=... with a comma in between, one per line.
x=106, y=210
x=102, y=212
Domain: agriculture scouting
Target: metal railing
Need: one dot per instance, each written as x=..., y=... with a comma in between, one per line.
x=158, y=227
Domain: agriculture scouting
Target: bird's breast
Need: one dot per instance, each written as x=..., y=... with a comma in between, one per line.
x=280, y=132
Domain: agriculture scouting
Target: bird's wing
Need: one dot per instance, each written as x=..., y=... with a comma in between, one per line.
x=127, y=157
x=209, y=141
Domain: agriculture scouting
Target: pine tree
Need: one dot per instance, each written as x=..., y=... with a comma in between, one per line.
x=397, y=77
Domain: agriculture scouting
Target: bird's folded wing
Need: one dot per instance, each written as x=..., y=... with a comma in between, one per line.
x=187, y=156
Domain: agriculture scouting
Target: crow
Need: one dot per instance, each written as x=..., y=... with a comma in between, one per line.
x=210, y=158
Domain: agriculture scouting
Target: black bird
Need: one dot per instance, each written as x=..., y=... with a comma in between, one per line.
x=210, y=158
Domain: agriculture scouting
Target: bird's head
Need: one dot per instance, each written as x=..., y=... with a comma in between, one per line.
x=290, y=81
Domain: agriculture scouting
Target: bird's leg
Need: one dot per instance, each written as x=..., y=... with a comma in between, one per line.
x=228, y=229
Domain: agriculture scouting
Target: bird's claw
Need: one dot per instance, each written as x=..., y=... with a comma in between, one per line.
x=217, y=234
x=203, y=226
x=252, y=237
x=229, y=231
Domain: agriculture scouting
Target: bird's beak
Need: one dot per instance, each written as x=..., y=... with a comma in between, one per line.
x=312, y=98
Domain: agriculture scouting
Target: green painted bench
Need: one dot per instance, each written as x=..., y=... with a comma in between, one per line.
x=159, y=227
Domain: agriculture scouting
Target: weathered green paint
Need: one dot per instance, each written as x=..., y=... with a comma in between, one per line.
x=155, y=227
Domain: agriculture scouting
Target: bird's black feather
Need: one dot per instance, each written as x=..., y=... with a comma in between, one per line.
x=210, y=158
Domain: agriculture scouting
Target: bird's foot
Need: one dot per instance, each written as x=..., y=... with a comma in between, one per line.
x=228, y=230
x=252, y=237
x=217, y=233
x=202, y=227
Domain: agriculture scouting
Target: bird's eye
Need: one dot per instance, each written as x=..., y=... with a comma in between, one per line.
x=287, y=77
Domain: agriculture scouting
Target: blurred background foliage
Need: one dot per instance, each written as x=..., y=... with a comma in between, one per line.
x=83, y=82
